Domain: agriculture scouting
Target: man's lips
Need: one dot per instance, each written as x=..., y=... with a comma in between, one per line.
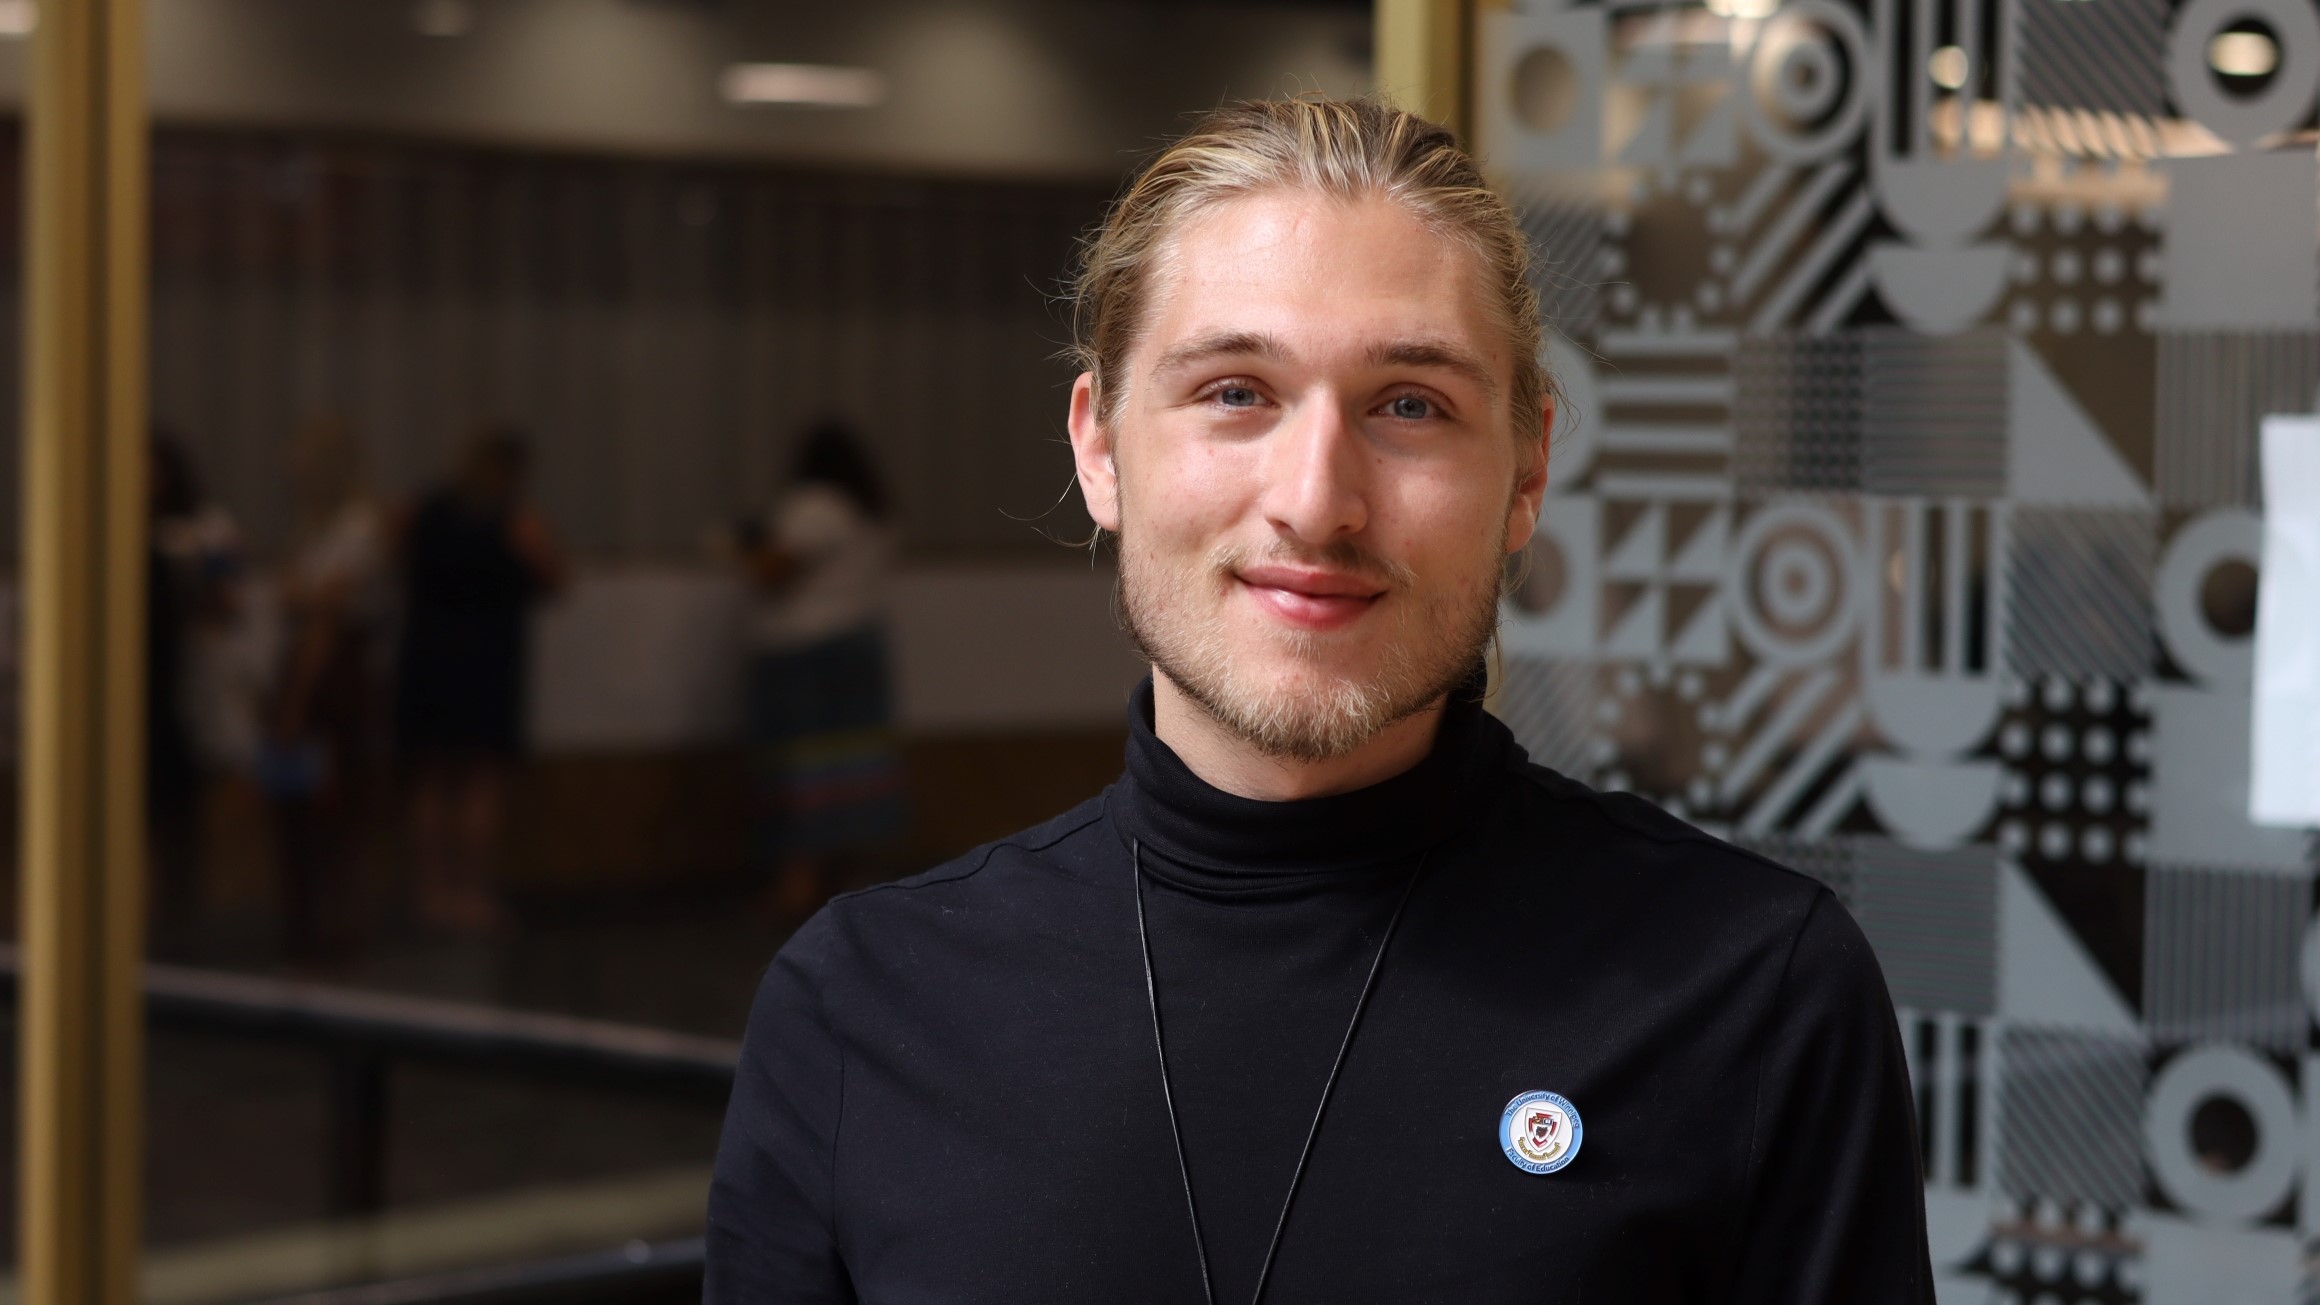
x=1311, y=599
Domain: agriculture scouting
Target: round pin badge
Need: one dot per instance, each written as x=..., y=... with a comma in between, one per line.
x=1541, y=1132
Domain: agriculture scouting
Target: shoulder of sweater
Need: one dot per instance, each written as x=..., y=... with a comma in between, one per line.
x=964, y=869
x=968, y=892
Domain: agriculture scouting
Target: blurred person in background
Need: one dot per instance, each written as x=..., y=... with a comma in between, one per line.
x=828, y=785
x=324, y=722
x=196, y=699
x=474, y=558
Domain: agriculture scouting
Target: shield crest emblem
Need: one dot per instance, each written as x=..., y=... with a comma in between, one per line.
x=1542, y=1128
x=1540, y=1132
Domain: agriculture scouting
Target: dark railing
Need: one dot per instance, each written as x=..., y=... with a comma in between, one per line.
x=660, y=1273
x=365, y=1034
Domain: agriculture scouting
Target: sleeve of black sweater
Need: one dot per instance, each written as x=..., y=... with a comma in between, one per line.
x=772, y=1235
x=1838, y=1211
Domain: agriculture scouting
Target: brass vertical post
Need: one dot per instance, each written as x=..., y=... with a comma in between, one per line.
x=1422, y=57
x=84, y=592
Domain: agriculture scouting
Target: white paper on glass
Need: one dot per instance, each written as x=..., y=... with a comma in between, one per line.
x=2284, y=788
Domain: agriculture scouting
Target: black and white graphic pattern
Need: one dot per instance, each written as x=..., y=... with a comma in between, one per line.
x=1550, y=706
x=1933, y=918
x=2070, y=1129
x=2105, y=58
x=2213, y=387
x=2081, y=589
x=2221, y=956
x=2077, y=789
x=1566, y=261
x=1921, y=523
x=1797, y=420
x=1933, y=413
x=2084, y=1256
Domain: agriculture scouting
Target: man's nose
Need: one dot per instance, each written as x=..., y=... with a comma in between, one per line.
x=1317, y=473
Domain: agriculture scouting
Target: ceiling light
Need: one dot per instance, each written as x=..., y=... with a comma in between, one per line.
x=2243, y=54
x=1948, y=67
x=443, y=17
x=18, y=18
x=802, y=83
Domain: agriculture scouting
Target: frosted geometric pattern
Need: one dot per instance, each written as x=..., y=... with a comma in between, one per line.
x=1911, y=536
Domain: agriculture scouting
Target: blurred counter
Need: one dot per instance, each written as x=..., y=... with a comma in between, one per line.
x=651, y=658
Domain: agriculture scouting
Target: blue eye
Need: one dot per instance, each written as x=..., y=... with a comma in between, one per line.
x=1410, y=407
x=1237, y=396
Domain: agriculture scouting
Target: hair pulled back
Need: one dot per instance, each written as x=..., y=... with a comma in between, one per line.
x=1344, y=149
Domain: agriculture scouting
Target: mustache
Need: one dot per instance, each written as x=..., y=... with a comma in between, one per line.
x=1344, y=556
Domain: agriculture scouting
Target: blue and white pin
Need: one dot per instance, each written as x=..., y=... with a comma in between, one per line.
x=1541, y=1132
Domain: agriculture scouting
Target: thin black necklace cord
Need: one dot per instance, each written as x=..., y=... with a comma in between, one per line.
x=1320, y=1109
x=1167, y=1095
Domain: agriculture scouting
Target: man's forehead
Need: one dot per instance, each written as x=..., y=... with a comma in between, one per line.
x=1305, y=270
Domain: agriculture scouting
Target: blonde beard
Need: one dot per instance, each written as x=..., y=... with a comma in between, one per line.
x=1431, y=649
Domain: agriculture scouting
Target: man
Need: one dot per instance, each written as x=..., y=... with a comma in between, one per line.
x=1332, y=996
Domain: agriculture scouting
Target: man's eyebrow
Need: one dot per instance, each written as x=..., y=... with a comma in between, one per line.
x=1220, y=344
x=1435, y=354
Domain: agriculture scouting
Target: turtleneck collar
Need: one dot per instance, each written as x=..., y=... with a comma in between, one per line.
x=1219, y=840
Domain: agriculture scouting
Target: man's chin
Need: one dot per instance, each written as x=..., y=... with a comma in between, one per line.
x=1307, y=671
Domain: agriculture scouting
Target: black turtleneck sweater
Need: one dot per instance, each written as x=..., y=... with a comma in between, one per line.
x=949, y=1090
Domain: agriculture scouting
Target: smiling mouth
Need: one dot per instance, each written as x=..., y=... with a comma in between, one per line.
x=1311, y=600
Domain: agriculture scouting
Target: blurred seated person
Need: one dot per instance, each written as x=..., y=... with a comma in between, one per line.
x=828, y=785
x=325, y=718
x=474, y=558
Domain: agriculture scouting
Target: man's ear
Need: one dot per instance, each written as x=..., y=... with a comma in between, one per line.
x=1530, y=483
x=1091, y=453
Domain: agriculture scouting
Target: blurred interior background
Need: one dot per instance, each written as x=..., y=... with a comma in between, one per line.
x=608, y=494
x=493, y=343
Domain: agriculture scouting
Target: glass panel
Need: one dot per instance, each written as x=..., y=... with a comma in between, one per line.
x=1905, y=527
x=508, y=557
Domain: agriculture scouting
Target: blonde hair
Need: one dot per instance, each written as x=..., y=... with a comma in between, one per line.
x=1345, y=149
